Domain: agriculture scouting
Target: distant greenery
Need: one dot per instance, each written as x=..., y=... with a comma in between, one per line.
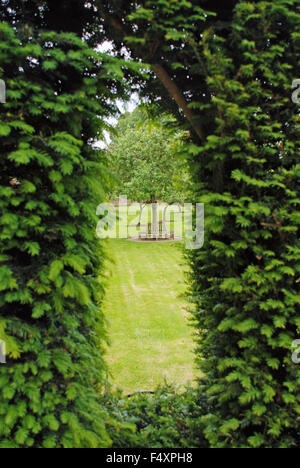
x=146, y=159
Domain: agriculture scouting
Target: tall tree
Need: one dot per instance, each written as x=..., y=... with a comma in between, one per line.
x=144, y=155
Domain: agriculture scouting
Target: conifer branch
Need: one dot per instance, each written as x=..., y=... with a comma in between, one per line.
x=161, y=73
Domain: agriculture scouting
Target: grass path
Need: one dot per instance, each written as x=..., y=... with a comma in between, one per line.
x=151, y=340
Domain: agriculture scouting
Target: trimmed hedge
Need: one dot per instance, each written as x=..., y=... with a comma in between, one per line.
x=51, y=181
x=245, y=280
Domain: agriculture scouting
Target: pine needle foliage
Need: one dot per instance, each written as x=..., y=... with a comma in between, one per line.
x=51, y=180
x=245, y=281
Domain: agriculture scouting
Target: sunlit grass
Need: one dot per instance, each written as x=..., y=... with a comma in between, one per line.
x=151, y=339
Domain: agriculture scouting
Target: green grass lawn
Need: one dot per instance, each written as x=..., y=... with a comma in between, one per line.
x=151, y=340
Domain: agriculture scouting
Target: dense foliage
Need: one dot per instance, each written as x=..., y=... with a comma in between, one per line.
x=164, y=419
x=226, y=74
x=51, y=181
x=247, y=276
x=145, y=158
x=230, y=71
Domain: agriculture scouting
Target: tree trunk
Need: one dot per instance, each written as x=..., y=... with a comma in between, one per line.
x=167, y=81
x=179, y=98
x=142, y=206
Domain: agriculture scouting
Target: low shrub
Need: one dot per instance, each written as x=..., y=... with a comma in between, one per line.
x=163, y=419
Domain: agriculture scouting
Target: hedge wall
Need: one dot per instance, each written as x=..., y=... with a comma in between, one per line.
x=246, y=279
x=51, y=181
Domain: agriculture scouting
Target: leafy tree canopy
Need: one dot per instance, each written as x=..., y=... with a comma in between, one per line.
x=146, y=159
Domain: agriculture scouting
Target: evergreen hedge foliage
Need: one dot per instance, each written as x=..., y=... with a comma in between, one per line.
x=236, y=71
x=164, y=419
x=51, y=181
x=246, y=279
